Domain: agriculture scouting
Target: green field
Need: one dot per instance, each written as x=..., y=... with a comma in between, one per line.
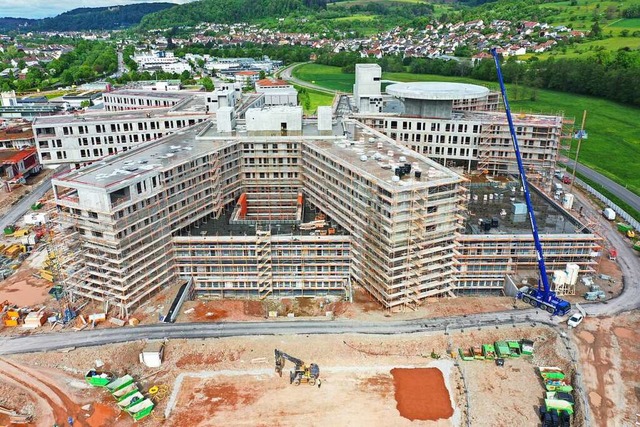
x=329, y=77
x=613, y=146
x=626, y=23
x=315, y=99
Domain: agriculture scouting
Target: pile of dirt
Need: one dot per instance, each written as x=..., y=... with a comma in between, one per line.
x=414, y=402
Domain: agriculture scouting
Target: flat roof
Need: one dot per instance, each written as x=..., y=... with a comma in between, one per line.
x=11, y=134
x=178, y=147
x=518, y=118
x=437, y=91
x=152, y=93
x=550, y=218
x=348, y=142
x=190, y=106
x=383, y=155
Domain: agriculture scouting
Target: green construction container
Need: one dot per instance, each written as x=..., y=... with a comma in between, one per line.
x=130, y=399
x=527, y=347
x=637, y=246
x=465, y=354
x=9, y=229
x=140, y=409
x=36, y=206
x=624, y=227
x=489, y=351
x=119, y=383
x=124, y=391
x=477, y=353
x=514, y=348
x=559, y=405
x=502, y=349
x=98, y=379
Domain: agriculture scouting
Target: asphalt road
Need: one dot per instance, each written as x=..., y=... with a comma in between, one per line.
x=56, y=341
x=19, y=209
x=618, y=190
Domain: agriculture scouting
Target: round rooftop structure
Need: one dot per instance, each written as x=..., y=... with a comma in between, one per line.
x=437, y=99
x=437, y=91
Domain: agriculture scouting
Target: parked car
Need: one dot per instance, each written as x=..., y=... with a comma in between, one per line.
x=575, y=320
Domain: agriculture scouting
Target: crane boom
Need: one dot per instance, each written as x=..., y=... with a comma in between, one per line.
x=532, y=218
x=544, y=297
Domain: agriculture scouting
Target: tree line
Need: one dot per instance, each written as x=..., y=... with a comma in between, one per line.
x=227, y=11
x=610, y=75
x=86, y=62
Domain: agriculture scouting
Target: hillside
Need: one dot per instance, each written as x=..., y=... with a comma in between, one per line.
x=96, y=18
x=228, y=11
x=10, y=24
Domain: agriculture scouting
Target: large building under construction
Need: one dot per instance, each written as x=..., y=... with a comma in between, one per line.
x=272, y=204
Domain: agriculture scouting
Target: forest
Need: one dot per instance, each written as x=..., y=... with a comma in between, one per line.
x=227, y=11
x=86, y=18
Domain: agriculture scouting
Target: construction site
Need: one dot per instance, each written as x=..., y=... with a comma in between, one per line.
x=406, y=208
x=357, y=379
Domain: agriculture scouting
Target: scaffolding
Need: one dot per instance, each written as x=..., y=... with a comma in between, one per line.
x=263, y=262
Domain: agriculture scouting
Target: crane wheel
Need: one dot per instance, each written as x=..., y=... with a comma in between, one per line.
x=550, y=310
x=526, y=300
x=533, y=303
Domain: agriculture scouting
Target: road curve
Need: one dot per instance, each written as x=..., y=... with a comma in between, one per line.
x=287, y=74
x=613, y=187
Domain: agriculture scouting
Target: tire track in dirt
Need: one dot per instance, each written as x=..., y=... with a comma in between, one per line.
x=61, y=405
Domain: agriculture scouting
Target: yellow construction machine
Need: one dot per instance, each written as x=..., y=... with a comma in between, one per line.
x=302, y=373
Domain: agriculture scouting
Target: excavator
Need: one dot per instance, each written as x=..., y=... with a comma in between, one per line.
x=302, y=373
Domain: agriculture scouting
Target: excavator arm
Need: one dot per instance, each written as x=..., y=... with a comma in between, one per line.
x=281, y=357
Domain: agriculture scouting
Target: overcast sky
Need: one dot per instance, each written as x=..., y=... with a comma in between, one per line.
x=45, y=8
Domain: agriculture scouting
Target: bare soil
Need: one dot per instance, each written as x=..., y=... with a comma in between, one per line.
x=232, y=380
x=610, y=357
x=421, y=394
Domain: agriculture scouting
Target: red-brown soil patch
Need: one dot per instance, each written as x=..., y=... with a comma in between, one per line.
x=421, y=394
x=210, y=397
x=194, y=359
x=103, y=415
x=380, y=384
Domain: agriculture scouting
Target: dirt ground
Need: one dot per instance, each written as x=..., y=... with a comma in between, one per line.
x=232, y=381
x=24, y=289
x=363, y=308
x=610, y=356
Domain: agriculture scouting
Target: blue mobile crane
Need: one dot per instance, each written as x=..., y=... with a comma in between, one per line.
x=543, y=296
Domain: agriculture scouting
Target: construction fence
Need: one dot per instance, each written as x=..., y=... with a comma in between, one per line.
x=618, y=210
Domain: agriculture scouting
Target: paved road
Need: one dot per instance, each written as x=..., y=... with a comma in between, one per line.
x=286, y=74
x=54, y=341
x=627, y=196
x=19, y=209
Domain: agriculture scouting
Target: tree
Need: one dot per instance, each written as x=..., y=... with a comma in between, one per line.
x=207, y=83
x=262, y=74
x=596, y=30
